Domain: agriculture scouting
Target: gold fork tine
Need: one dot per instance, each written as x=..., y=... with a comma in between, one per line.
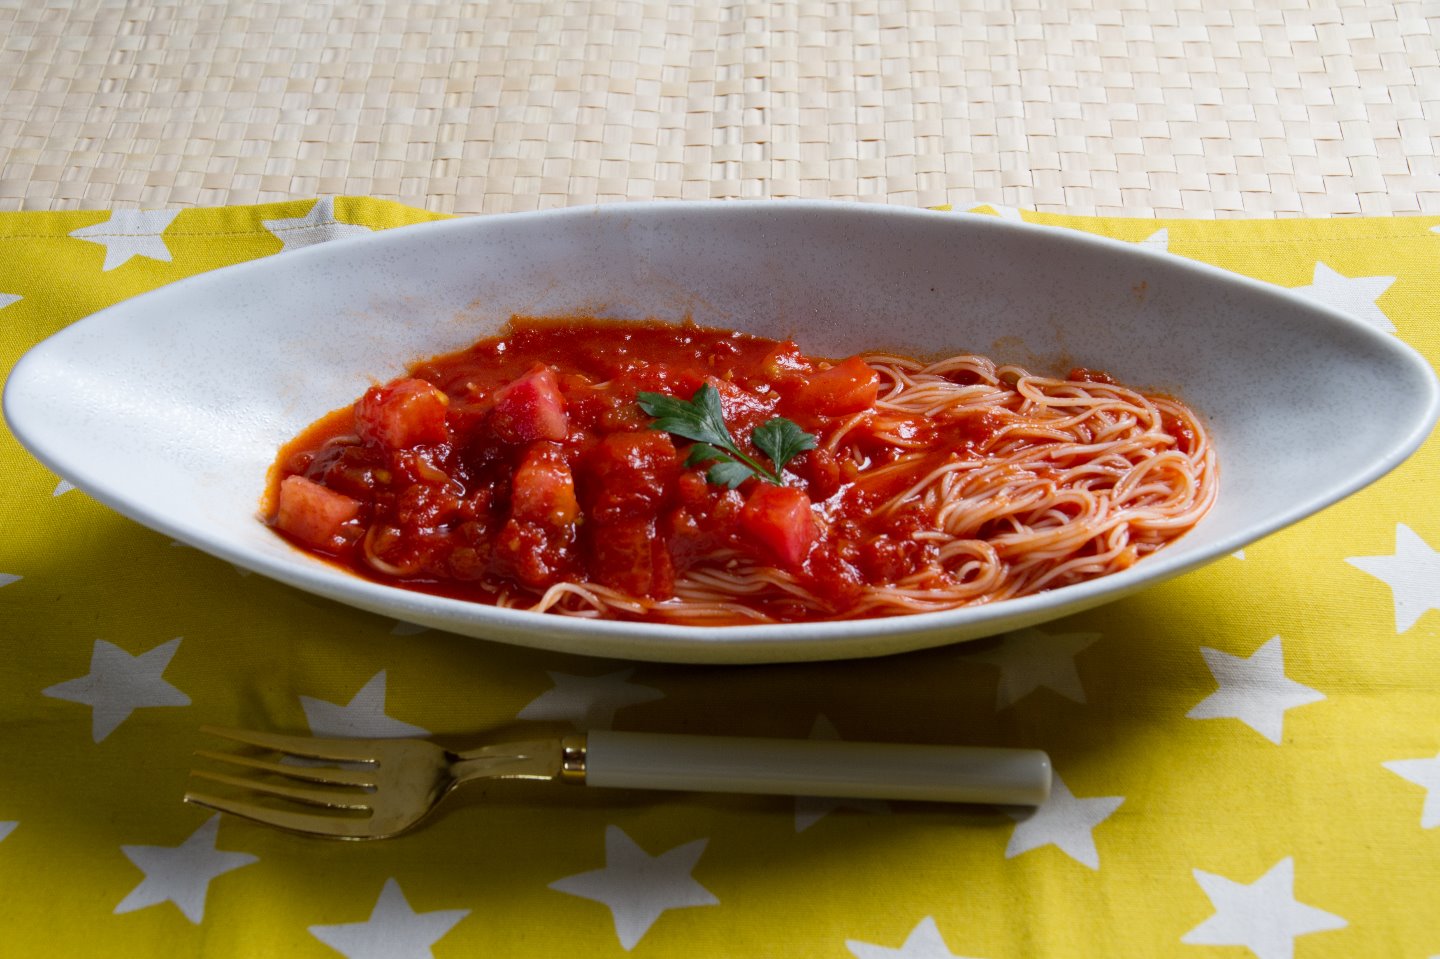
x=314, y=774
x=315, y=797
x=340, y=827
x=336, y=750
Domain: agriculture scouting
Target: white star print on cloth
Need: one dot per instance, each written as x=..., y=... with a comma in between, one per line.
x=317, y=226
x=639, y=887
x=587, y=702
x=1426, y=773
x=1263, y=916
x=130, y=233
x=1353, y=295
x=6, y=828
x=810, y=809
x=924, y=942
x=1065, y=822
x=364, y=716
x=7, y=578
x=63, y=487
x=1006, y=212
x=1412, y=572
x=1029, y=659
x=1254, y=690
x=118, y=684
x=393, y=931
x=181, y=874
x=1159, y=240
x=8, y=298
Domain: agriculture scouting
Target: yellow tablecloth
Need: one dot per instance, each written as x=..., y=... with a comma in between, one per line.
x=1246, y=757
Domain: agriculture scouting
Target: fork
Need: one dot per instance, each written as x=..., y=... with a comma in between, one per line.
x=399, y=781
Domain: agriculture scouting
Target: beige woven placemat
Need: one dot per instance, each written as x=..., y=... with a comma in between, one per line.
x=1179, y=108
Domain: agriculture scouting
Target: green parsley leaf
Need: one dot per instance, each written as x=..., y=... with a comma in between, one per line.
x=702, y=419
x=727, y=470
x=704, y=453
x=729, y=473
x=781, y=440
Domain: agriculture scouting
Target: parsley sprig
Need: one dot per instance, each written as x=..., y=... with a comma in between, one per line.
x=701, y=419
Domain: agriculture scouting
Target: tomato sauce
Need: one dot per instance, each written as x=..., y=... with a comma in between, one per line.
x=526, y=461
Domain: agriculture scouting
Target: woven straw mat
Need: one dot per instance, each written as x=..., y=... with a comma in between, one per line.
x=1179, y=108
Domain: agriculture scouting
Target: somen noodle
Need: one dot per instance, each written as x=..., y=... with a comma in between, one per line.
x=525, y=472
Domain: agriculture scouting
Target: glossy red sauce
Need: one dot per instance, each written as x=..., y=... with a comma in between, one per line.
x=525, y=461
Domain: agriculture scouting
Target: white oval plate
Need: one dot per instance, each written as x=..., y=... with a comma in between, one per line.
x=170, y=407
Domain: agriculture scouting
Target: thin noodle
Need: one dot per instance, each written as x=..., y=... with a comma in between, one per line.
x=1076, y=480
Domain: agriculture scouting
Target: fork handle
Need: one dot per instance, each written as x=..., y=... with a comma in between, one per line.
x=810, y=767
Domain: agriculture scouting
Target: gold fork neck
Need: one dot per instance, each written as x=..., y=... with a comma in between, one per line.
x=533, y=759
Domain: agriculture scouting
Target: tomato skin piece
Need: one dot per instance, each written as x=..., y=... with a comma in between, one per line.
x=314, y=515
x=543, y=489
x=530, y=408
x=780, y=518
x=402, y=414
x=849, y=386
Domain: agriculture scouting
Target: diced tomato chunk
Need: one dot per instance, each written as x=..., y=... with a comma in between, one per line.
x=847, y=387
x=628, y=555
x=833, y=577
x=629, y=475
x=705, y=520
x=820, y=470
x=530, y=408
x=1082, y=375
x=538, y=556
x=784, y=361
x=314, y=515
x=1183, y=432
x=693, y=488
x=543, y=489
x=422, y=507
x=889, y=559
x=780, y=518
x=740, y=408
x=658, y=376
x=402, y=414
x=685, y=538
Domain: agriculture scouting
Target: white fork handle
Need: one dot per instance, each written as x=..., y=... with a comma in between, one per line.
x=811, y=767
